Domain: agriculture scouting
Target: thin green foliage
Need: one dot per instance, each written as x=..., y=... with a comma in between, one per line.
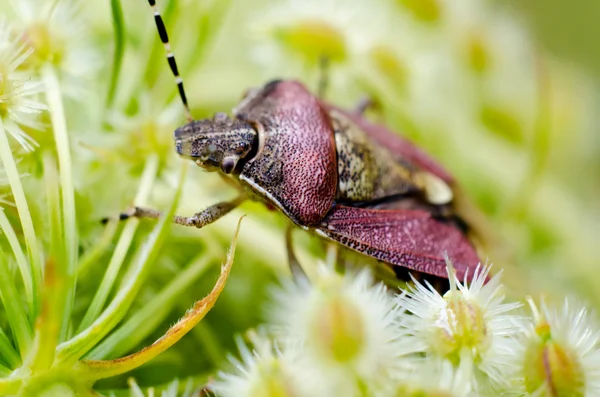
x=144, y=321
x=15, y=312
x=8, y=352
x=122, y=247
x=72, y=350
x=14, y=179
x=92, y=256
x=61, y=138
x=22, y=263
x=48, y=326
x=119, y=50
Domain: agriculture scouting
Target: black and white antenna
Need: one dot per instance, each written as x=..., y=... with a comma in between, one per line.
x=164, y=37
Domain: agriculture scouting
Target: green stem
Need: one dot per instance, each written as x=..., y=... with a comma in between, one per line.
x=56, y=279
x=94, y=254
x=16, y=187
x=4, y=371
x=97, y=369
x=15, y=313
x=7, y=351
x=71, y=351
x=22, y=263
x=122, y=247
x=61, y=137
x=119, y=27
x=142, y=323
x=9, y=387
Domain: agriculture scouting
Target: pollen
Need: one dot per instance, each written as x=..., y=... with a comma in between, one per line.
x=460, y=324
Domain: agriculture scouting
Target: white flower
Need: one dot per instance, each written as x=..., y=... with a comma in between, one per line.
x=294, y=36
x=57, y=31
x=18, y=90
x=345, y=328
x=172, y=390
x=468, y=319
x=436, y=377
x=263, y=371
x=560, y=354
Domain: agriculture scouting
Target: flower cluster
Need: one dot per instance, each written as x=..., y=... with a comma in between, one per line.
x=345, y=335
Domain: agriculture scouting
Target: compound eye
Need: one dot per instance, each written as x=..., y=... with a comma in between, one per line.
x=228, y=164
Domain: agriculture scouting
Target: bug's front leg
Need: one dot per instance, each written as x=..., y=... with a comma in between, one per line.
x=198, y=220
x=365, y=104
x=295, y=267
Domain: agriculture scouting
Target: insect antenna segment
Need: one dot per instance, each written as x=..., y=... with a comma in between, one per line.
x=164, y=37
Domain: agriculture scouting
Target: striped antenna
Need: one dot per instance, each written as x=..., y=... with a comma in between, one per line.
x=164, y=37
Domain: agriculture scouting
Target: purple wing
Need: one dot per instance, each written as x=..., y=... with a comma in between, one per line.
x=407, y=238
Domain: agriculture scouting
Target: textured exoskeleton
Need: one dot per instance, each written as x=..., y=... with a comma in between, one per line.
x=333, y=172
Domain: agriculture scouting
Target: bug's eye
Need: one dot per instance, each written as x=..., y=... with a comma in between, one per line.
x=228, y=164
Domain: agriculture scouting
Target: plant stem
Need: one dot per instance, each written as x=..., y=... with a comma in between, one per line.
x=153, y=312
x=61, y=137
x=15, y=314
x=9, y=387
x=97, y=369
x=98, y=249
x=69, y=352
x=56, y=278
x=7, y=351
x=24, y=268
x=122, y=247
x=119, y=27
x=10, y=167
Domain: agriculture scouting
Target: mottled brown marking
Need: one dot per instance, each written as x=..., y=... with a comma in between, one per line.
x=366, y=170
x=216, y=143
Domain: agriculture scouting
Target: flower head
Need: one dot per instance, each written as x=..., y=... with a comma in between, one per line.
x=561, y=353
x=18, y=90
x=468, y=321
x=345, y=326
x=263, y=371
x=56, y=31
x=436, y=378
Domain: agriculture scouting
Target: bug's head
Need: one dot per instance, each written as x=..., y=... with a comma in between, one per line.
x=218, y=143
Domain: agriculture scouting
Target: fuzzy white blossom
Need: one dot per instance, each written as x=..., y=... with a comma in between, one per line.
x=19, y=107
x=345, y=327
x=471, y=321
x=435, y=377
x=58, y=33
x=560, y=352
x=264, y=371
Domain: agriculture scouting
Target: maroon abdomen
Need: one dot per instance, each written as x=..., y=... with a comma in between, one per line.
x=296, y=163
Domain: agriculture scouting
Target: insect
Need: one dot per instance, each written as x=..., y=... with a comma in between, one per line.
x=330, y=171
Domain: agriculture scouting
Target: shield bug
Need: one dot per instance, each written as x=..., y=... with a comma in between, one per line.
x=330, y=171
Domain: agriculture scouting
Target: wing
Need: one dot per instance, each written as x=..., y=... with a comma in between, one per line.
x=407, y=238
x=396, y=144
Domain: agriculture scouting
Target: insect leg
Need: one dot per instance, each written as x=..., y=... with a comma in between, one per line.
x=200, y=219
x=365, y=104
x=208, y=215
x=295, y=266
x=323, y=76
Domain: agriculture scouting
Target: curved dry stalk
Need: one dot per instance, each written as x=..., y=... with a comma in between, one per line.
x=98, y=369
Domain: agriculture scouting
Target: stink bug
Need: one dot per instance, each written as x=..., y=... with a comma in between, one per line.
x=329, y=171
